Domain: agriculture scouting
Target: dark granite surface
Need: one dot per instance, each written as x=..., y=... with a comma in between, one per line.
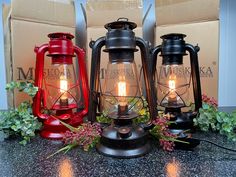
x=30, y=161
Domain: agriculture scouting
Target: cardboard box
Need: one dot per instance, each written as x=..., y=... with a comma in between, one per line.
x=201, y=30
x=186, y=11
x=27, y=25
x=97, y=16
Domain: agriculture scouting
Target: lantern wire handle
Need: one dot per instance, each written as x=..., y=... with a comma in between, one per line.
x=122, y=19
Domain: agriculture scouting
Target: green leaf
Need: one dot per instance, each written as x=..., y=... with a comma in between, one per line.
x=12, y=85
x=23, y=142
x=219, y=118
x=205, y=106
x=103, y=119
x=66, y=149
x=71, y=128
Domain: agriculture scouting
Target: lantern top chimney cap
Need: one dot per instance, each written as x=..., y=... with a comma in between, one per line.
x=60, y=35
x=121, y=23
x=173, y=36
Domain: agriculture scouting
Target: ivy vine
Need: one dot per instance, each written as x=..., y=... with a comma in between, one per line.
x=20, y=121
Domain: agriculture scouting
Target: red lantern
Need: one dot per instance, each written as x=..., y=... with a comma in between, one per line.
x=62, y=94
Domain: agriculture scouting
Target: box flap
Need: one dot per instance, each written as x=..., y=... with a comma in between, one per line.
x=100, y=12
x=6, y=10
x=58, y=12
x=186, y=11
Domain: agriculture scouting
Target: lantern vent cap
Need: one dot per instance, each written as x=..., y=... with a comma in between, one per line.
x=61, y=35
x=173, y=36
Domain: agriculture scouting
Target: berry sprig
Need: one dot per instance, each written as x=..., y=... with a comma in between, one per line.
x=85, y=136
x=166, y=144
x=211, y=101
x=161, y=132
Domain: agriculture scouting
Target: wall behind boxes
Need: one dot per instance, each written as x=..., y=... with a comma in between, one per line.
x=227, y=62
x=3, y=93
x=227, y=59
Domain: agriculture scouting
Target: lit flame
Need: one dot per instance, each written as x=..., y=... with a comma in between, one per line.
x=172, y=88
x=122, y=88
x=122, y=92
x=63, y=85
x=63, y=89
x=172, y=85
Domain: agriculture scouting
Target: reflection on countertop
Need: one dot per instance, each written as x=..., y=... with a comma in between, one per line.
x=65, y=168
x=31, y=161
x=173, y=168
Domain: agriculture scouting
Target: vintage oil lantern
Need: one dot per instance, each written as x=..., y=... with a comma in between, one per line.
x=173, y=84
x=120, y=97
x=62, y=94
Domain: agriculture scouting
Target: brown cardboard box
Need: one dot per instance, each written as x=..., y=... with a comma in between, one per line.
x=186, y=11
x=27, y=25
x=97, y=16
x=202, y=30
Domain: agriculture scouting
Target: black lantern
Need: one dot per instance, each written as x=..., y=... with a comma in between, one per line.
x=120, y=97
x=173, y=83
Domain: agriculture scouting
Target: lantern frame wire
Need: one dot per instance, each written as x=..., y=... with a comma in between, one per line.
x=65, y=91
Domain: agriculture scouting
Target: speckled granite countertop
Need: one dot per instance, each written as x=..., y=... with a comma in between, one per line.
x=30, y=161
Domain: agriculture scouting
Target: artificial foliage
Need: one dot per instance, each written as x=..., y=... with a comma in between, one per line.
x=26, y=87
x=161, y=133
x=20, y=121
x=211, y=119
x=208, y=119
x=87, y=135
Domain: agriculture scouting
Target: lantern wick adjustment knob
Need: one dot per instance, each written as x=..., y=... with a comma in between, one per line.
x=124, y=132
